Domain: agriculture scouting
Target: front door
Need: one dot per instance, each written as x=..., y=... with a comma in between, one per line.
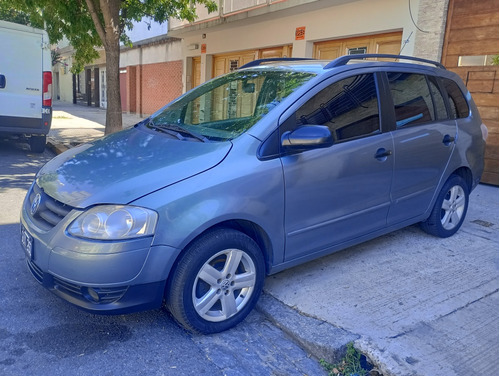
x=339, y=193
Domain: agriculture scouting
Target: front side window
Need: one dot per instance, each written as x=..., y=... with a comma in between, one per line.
x=412, y=99
x=227, y=106
x=348, y=107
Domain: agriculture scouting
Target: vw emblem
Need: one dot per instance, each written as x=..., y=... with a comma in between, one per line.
x=35, y=204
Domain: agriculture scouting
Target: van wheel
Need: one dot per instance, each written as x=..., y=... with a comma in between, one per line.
x=216, y=282
x=449, y=210
x=37, y=143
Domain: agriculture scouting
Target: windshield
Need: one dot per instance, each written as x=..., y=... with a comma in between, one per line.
x=227, y=106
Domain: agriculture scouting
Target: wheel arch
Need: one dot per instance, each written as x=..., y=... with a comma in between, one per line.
x=249, y=228
x=466, y=174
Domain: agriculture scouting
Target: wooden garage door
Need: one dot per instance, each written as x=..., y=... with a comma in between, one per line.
x=276, y=52
x=229, y=62
x=387, y=43
x=471, y=50
x=226, y=63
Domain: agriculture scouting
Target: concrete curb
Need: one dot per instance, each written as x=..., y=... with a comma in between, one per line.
x=319, y=338
x=57, y=148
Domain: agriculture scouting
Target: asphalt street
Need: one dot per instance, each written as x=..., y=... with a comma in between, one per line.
x=42, y=335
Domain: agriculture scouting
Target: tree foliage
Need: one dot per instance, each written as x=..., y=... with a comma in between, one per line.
x=88, y=24
x=7, y=13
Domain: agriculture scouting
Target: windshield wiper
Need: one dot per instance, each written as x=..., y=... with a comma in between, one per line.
x=176, y=131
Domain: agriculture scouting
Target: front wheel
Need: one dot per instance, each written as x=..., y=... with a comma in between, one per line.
x=216, y=282
x=449, y=210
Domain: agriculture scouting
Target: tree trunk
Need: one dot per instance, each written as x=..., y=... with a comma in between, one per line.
x=109, y=30
x=114, y=110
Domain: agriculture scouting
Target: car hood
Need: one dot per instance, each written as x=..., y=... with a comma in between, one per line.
x=124, y=166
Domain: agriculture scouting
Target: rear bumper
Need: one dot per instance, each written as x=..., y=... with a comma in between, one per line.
x=26, y=125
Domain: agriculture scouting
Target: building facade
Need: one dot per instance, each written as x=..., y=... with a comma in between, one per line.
x=462, y=34
x=241, y=31
x=150, y=74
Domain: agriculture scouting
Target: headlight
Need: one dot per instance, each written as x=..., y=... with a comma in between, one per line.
x=114, y=222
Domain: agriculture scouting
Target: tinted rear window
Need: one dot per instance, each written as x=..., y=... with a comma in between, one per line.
x=458, y=103
x=412, y=99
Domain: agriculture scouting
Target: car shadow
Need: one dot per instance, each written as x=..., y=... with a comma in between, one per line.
x=19, y=165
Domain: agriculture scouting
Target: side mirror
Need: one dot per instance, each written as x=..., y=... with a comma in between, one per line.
x=307, y=137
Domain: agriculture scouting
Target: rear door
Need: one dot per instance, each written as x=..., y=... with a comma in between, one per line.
x=423, y=143
x=338, y=193
x=21, y=65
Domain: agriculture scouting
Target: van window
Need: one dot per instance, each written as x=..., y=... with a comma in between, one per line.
x=348, y=107
x=412, y=98
x=458, y=104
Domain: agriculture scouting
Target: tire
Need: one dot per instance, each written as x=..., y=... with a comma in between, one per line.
x=450, y=208
x=216, y=282
x=37, y=143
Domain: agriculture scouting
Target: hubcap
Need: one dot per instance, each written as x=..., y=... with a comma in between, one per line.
x=453, y=207
x=224, y=285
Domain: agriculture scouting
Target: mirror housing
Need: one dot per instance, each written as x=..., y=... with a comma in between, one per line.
x=307, y=138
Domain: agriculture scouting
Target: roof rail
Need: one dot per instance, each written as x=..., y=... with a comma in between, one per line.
x=257, y=62
x=343, y=60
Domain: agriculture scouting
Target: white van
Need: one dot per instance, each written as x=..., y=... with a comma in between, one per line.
x=25, y=84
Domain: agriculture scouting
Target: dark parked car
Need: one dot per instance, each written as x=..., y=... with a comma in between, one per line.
x=253, y=172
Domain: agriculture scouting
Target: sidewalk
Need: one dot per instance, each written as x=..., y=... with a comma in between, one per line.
x=413, y=303
x=75, y=124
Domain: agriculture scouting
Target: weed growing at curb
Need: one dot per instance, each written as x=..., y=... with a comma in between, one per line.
x=350, y=365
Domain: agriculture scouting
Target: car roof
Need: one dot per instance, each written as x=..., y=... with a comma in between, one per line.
x=323, y=66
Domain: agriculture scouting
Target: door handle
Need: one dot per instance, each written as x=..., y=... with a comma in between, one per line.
x=3, y=81
x=447, y=140
x=382, y=154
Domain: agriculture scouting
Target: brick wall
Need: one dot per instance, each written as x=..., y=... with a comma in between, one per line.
x=123, y=90
x=161, y=83
x=131, y=89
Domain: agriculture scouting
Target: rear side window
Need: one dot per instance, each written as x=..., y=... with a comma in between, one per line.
x=458, y=104
x=349, y=107
x=439, y=104
x=412, y=99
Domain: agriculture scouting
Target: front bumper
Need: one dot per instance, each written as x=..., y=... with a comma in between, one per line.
x=100, y=277
x=102, y=300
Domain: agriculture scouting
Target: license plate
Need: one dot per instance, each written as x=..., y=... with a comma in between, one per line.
x=27, y=242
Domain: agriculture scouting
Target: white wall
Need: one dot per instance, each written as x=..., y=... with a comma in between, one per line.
x=278, y=28
x=151, y=54
x=341, y=21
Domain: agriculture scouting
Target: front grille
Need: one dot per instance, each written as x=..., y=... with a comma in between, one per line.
x=36, y=271
x=105, y=294
x=96, y=295
x=67, y=287
x=49, y=212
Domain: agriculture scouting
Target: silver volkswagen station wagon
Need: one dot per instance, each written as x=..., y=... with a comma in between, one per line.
x=259, y=170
